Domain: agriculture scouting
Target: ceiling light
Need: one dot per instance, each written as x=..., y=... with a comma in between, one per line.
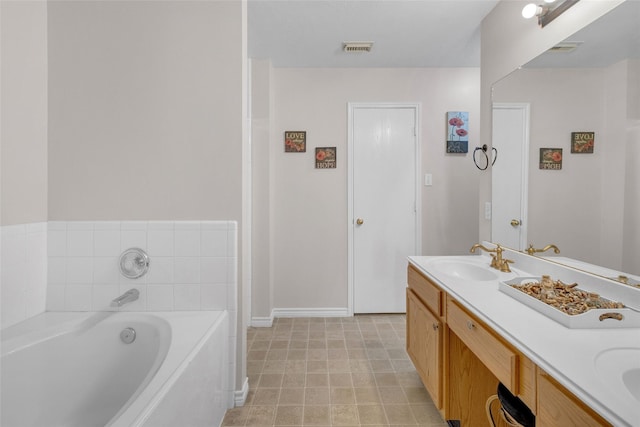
x=531, y=10
x=547, y=12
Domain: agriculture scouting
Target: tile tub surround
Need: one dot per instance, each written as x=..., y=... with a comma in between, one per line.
x=347, y=371
x=193, y=265
x=23, y=285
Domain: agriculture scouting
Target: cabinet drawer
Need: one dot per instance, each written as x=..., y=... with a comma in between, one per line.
x=429, y=293
x=493, y=353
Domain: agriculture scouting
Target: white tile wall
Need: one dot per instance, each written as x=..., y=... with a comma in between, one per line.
x=193, y=265
x=23, y=283
x=73, y=266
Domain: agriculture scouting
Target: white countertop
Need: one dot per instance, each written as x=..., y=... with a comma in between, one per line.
x=566, y=354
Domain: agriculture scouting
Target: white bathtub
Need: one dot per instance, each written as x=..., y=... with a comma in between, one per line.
x=73, y=369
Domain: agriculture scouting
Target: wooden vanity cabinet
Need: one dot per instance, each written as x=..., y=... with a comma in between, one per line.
x=557, y=407
x=425, y=333
x=461, y=360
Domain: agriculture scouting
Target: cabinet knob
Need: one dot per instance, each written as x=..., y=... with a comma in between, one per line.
x=359, y=221
x=515, y=222
x=470, y=325
x=435, y=326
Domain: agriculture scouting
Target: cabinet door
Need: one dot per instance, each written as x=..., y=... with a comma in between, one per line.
x=559, y=408
x=424, y=338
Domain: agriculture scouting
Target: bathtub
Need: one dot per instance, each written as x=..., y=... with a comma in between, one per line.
x=74, y=369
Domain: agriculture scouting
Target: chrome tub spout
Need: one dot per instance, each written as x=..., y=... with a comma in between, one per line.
x=129, y=296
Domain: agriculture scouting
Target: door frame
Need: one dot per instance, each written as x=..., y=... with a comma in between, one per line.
x=525, y=109
x=352, y=106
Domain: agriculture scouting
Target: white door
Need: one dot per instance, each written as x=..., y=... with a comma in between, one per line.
x=509, y=175
x=384, y=231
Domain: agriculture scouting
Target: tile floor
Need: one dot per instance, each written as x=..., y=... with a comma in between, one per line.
x=333, y=372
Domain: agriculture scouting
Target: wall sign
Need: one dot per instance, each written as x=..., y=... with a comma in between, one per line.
x=295, y=141
x=582, y=142
x=551, y=158
x=325, y=157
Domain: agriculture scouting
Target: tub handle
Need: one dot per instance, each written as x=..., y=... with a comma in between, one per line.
x=134, y=263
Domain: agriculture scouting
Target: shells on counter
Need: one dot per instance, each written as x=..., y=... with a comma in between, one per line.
x=567, y=298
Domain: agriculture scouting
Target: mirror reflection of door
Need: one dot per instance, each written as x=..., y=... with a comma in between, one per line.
x=509, y=175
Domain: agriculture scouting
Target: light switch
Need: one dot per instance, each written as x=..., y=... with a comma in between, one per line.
x=428, y=180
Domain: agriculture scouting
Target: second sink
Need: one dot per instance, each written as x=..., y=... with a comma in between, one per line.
x=622, y=367
x=463, y=268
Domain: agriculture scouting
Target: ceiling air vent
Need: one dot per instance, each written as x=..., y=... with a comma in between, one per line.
x=357, y=46
x=565, y=47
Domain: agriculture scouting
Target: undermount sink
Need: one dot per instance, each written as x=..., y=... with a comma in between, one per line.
x=621, y=367
x=463, y=269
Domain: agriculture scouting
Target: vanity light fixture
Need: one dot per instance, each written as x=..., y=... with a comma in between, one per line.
x=547, y=12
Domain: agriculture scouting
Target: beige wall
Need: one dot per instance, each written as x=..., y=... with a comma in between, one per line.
x=308, y=207
x=507, y=42
x=145, y=110
x=631, y=231
x=23, y=122
x=261, y=122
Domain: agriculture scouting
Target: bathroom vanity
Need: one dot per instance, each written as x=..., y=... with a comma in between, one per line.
x=465, y=336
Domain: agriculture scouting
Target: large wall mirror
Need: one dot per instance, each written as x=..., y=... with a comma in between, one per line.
x=587, y=203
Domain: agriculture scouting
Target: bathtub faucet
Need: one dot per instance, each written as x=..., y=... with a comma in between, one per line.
x=129, y=296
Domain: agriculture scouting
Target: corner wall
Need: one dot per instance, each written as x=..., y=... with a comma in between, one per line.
x=23, y=158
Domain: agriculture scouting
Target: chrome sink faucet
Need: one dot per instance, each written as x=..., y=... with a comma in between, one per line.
x=497, y=261
x=129, y=296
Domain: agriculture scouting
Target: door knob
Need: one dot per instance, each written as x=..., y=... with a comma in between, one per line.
x=515, y=222
x=359, y=221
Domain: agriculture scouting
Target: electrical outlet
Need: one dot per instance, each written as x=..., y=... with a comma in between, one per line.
x=487, y=210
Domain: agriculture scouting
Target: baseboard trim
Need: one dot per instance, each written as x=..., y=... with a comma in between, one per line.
x=262, y=322
x=240, y=396
x=267, y=322
x=310, y=312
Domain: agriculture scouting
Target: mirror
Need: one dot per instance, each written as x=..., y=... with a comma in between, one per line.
x=588, y=203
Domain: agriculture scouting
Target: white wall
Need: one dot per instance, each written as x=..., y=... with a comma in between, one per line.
x=24, y=272
x=308, y=207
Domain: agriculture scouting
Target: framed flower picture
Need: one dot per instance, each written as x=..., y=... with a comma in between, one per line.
x=582, y=142
x=551, y=158
x=295, y=141
x=457, y=132
x=325, y=157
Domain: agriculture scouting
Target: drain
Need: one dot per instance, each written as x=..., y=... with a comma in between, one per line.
x=128, y=335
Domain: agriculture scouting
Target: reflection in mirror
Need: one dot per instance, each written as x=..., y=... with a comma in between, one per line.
x=589, y=203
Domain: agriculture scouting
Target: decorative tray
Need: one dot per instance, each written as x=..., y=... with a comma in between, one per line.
x=588, y=310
